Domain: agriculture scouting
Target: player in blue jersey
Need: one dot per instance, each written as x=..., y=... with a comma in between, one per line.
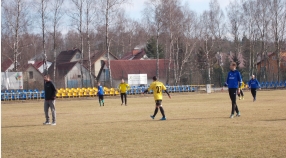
x=253, y=84
x=233, y=82
x=100, y=94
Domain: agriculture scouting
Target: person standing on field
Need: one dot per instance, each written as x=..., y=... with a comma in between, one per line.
x=233, y=81
x=157, y=88
x=123, y=87
x=253, y=84
x=100, y=94
x=50, y=96
x=241, y=95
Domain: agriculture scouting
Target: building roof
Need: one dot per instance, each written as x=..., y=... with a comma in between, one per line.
x=136, y=54
x=66, y=56
x=6, y=64
x=121, y=68
x=26, y=66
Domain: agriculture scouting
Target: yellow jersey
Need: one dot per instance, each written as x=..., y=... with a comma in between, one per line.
x=242, y=85
x=157, y=88
x=123, y=87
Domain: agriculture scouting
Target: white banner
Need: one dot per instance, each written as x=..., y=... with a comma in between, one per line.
x=137, y=79
x=11, y=80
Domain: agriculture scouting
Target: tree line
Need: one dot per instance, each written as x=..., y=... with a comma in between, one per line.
x=194, y=43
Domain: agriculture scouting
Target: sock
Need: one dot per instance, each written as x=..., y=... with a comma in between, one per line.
x=155, y=112
x=103, y=102
x=162, y=111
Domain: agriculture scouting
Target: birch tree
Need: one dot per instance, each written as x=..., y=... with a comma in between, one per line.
x=57, y=14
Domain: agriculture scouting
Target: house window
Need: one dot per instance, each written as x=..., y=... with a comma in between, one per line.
x=77, y=56
x=31, y=75
x=273, y=57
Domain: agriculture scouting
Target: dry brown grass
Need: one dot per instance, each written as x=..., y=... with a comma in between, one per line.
x=197, y=126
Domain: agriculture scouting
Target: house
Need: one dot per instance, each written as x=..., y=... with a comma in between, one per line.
x=32, y=77
x=95, y=58
x=121, y=68
x=135, y=54
x=68, y=70
x=267, y=67
x=38, y=62
x=7, y=65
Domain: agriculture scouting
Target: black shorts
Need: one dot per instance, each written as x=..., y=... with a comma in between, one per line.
x=158, y=102
x=100, y=97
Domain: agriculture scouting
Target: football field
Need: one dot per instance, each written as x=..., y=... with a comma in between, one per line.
x=197, y=125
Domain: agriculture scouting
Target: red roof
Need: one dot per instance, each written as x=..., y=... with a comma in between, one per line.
x=6, y=64
x=121, y=68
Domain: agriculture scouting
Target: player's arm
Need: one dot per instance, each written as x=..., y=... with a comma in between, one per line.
x=226, y=83
x=168, y=93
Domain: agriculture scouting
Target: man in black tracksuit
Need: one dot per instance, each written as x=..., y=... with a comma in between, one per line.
x=50, y=96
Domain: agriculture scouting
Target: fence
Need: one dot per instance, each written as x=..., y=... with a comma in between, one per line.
x=8, y=95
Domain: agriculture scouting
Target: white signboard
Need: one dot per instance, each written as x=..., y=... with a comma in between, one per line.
x=137, y=79
x=11, y=80
x=209, y=88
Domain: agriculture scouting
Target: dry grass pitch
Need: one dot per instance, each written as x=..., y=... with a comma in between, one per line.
x=197, y=126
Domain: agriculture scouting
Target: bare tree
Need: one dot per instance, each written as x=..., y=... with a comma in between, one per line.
x=57, y=15
x=191, y=33
x=154, y=15
x=14, y=21
x=109, y=9
x=251, y=32
x=278, y=24
x=77, y=19
x=89, y=15
x=44, y=15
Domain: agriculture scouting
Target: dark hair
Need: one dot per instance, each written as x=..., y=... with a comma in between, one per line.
x=155, y=78
x=233, y=63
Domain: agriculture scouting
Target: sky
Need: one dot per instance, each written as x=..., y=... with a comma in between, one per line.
x=134, y=9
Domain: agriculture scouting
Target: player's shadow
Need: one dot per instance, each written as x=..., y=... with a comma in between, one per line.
x=20, y=126
x=275, y=120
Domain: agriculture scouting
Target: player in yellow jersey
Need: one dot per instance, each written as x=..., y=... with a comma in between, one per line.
x=158, y=88
x=123, y=87
x=241, y=95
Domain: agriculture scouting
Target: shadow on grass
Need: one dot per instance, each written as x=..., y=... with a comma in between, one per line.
x=275, y=120
x=21, y=126
x=157, y=120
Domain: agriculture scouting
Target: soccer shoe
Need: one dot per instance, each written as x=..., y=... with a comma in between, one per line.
x=125, y=104
x=121, y=104
x=163, y=118
x=53, y=124
x=239, y=98
x=46, y=123
x=242, y=98
x=152, y=117
x=231, y=116
x=238, y=114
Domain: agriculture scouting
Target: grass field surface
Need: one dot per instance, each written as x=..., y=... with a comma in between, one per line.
x=197, y=125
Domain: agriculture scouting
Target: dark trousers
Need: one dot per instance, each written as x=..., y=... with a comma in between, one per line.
x=125, y=99
x=253, y=92
x=232, y=95
x=241, y=93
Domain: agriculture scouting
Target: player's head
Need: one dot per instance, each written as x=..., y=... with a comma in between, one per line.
x=122, y=81
x=253, y=77
x=98, y=83
x=232, y=66
x=154, y=78
x=47, y=77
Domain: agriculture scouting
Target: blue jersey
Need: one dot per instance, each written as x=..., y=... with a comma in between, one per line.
x=234, y=79
x=100, y=90
x=253, y=83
